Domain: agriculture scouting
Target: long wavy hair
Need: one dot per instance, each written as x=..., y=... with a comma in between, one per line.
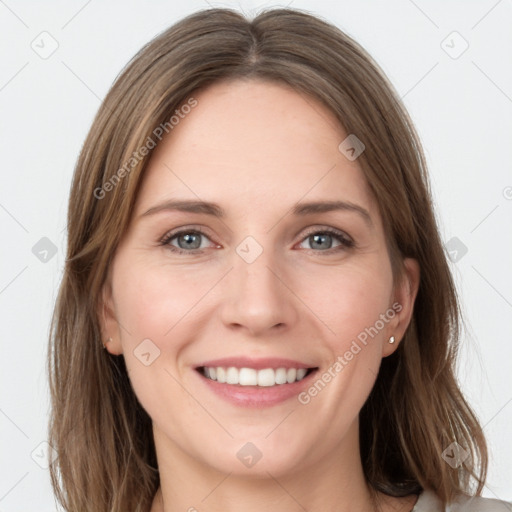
x=106, y=455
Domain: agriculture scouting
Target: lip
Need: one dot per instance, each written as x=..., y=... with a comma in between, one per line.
x=257, y=364
x=257, y=397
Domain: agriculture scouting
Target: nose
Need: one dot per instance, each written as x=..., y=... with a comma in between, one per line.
x=257, y=297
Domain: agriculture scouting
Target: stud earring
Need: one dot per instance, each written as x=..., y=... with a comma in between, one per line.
x=105, y=342
x=392, y=339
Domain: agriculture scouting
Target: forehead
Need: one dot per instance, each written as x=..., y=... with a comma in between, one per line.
x=254, y=144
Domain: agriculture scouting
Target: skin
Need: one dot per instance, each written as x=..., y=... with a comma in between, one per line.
x=255, y=148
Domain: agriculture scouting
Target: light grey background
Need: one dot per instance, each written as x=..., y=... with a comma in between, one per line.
x=461, y=106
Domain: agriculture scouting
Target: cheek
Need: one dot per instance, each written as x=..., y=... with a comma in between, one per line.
x=160, y=303
x=153, y=300
x=349, y=299
x=152, y=305
x=357, y=298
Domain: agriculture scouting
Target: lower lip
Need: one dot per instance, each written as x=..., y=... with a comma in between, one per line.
x=256, y=396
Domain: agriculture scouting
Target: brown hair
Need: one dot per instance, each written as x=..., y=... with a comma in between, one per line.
x=106, y=455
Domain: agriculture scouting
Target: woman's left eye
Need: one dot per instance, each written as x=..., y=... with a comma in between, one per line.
x=189, y=241
x=323, y=240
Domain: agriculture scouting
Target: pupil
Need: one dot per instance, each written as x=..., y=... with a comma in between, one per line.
x=190, y=239
x=318, y=239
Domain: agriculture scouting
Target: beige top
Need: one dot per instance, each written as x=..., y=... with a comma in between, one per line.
x=429, y=502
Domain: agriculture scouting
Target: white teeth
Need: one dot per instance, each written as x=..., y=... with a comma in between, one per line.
x=291, y=375
x=281, y=376
x=266, y=377
x=247, y=377
x=251, y=377
x=300, y=373
x=231, y=376
x=221, y=374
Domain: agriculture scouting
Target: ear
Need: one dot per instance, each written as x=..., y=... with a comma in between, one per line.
x=109, y=325
x=403, y=304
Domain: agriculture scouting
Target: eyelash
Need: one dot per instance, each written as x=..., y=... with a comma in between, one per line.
x=345, y=242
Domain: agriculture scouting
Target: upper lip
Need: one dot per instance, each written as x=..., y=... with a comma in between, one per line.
x=257, y=364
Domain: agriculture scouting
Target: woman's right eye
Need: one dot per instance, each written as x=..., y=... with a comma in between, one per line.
x=188, y=241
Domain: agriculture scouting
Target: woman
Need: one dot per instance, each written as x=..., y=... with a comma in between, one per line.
x=251, y=238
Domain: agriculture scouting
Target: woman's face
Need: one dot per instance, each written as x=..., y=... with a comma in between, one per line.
x=263, y=292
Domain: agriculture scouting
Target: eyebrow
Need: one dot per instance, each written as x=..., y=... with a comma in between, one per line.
x=300, y=209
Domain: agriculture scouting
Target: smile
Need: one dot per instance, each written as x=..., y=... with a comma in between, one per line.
x=265, y=377
x=256, y=382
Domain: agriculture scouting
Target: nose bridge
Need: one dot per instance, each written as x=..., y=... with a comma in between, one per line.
x=252, y=270
x=256, y=298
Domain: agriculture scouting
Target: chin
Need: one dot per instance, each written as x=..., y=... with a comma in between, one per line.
x=255, y=456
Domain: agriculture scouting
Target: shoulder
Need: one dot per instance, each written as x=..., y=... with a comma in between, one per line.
x=478, y=504
x=429, y=502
